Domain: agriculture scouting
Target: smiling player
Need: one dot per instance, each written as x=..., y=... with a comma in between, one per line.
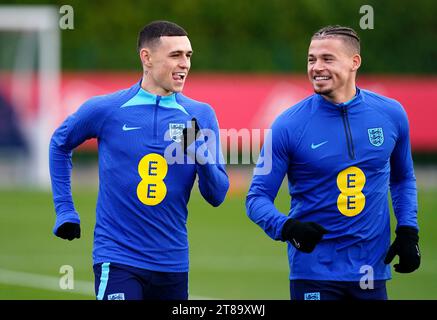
x=342, y=149
x=140, y=237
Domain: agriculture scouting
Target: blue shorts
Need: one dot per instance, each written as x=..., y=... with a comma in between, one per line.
x=336, y=290
x=115, y=281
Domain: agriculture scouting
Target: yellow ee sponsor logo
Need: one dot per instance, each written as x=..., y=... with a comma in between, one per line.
x=152, y=169
x=351, y=200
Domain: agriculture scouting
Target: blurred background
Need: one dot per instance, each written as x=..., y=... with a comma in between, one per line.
x=249, y=63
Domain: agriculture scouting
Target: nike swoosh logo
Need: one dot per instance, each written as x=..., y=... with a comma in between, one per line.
x=296, y=244
x=315, y=146
x=126, y=128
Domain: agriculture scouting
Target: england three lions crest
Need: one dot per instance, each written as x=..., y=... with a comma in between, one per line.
x=176, y=131
x=376, y=136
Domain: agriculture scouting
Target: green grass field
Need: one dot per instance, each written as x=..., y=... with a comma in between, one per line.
x=230, y=257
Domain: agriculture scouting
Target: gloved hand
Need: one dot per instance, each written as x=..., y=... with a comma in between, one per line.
x=68, y=230
x=406, y=245
x=189, y=134
x=304, y=236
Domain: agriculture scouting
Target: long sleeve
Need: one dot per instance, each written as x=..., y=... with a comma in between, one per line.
x=402, y=179
x=78, y=127
x=213, y=179
x=269, y=173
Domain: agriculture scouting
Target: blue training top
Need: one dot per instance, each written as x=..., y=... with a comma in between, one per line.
x=340, y=160
x=141, y=209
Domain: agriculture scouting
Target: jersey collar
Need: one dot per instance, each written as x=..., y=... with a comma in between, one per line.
x=150, y=96
x=338, y=106
x=143, y=97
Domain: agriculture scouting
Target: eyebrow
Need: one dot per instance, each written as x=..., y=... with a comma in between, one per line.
x=181, y=51
x=325, y=55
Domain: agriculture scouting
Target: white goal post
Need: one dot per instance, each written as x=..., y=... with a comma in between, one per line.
x=44, y=22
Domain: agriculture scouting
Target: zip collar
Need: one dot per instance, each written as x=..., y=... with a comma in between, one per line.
x=150, y=96
x=143, y=97
x=356, y=100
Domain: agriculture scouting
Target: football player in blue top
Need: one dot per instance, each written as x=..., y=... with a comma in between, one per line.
x=149, y=137
x=343, y=149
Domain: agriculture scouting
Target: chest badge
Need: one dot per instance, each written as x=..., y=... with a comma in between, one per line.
x=376, y=136
x=176, y=131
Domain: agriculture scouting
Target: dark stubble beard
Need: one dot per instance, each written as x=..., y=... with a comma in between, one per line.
x=326, y=92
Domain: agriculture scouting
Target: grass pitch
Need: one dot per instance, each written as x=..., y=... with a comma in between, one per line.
x=230, y=257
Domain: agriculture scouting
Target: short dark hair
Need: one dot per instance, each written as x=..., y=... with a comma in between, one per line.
x=349, y=35
x=150, y=34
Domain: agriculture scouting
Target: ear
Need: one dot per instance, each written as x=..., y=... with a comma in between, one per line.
x=356, y=62
x=146, y=58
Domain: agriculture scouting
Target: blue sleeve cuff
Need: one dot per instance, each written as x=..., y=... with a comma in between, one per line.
x=72, y=217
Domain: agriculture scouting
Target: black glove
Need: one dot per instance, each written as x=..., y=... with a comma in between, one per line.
x=188, y=135
x=406, y=245
x=68, y=230
x=304, y=236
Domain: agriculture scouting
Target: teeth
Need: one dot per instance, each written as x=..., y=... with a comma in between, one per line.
x=321, y=78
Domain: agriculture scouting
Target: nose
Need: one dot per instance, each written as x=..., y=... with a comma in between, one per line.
x=184, y=62
x=318, y=65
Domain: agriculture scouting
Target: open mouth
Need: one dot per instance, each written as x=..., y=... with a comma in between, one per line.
x=321, y=78
x=180, y=76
